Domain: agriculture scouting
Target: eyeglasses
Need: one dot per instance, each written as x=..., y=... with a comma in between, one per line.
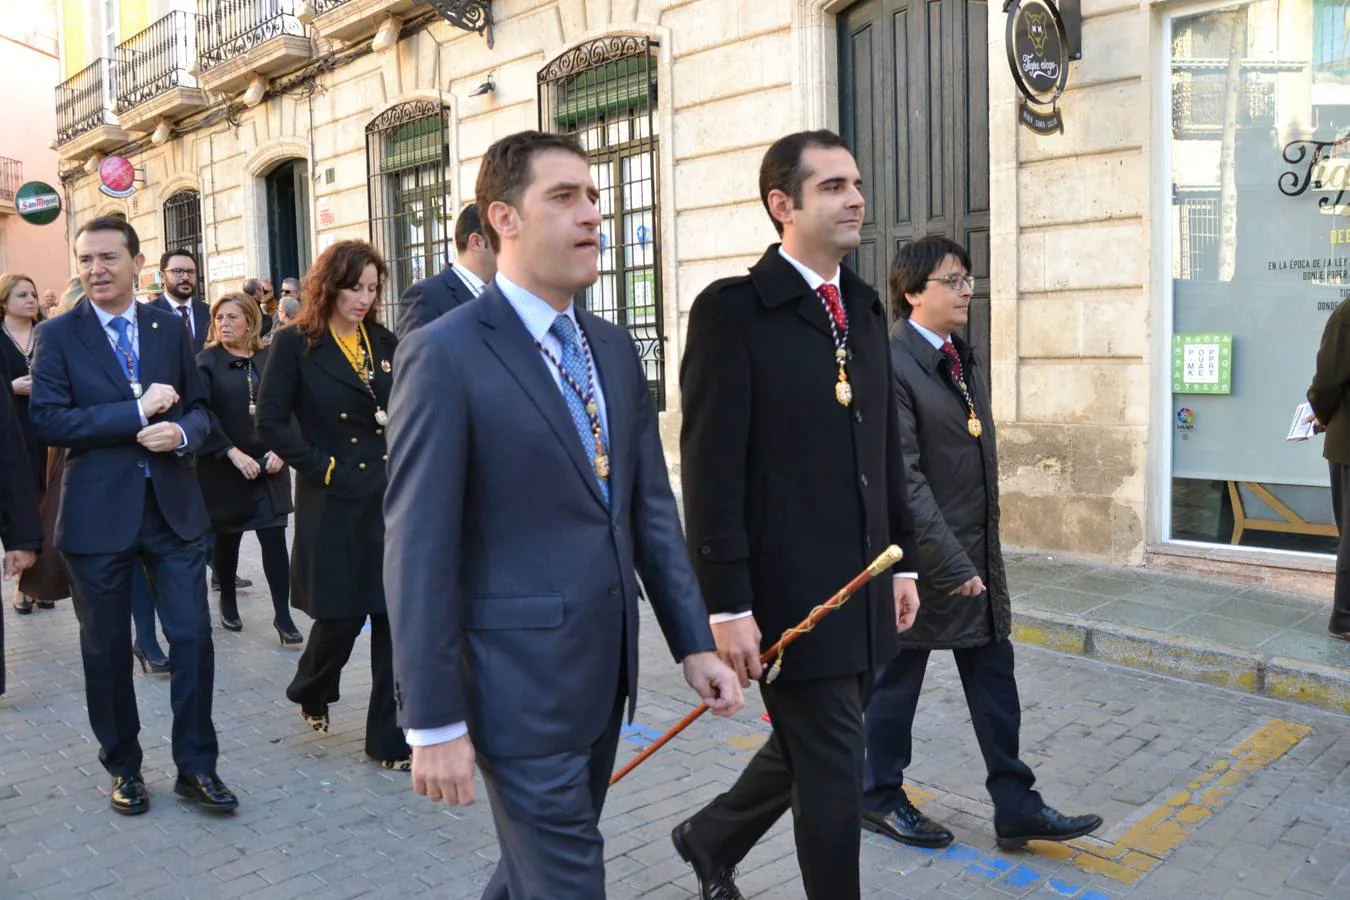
x=956, y=282
x=180, y=273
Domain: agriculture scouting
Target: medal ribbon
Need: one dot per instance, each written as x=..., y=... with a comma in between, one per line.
x=570, y=337
x=829, y=295
x=363, y=361
x=973, y=421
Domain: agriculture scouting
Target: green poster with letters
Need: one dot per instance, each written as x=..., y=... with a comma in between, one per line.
x=1202, y=363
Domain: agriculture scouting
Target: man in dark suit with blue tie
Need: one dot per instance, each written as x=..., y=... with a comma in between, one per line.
x=116, y=385
x=527, y=491
x=461, y=281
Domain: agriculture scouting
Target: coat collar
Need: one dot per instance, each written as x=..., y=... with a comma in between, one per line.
x=508, y=338
x=925, y=353
x=778, y=283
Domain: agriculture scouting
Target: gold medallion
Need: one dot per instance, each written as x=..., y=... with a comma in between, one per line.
x=974, y=427
x=386, y=366
x=381, y=417
x=843, y=392
x=591, y=409
x=602, y=465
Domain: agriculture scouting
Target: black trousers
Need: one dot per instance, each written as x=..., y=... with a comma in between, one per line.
x=319, y=671
x=812, y=764
x=1340, y=501
x=995, y=711
x=101, y=591
x=276, y=567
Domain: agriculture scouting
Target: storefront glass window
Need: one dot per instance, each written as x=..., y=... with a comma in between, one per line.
x=1260, y=255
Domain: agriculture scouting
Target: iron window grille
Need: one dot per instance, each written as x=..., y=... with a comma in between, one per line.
x=11, y=178
x=604, y=93
x=183, y=228
x=158, y=59
x=1199, y=236
x=407, y=163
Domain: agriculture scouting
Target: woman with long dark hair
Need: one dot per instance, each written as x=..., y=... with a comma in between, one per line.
x=19, y=314
x=246, y=486
x=330, y=373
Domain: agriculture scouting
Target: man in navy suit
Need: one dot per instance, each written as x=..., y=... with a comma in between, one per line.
x=461, y=281
x=527, y=491
x=116, y=384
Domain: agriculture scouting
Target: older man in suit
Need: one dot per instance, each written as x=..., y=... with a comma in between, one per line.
x=115, y=383
x=460, y=282
x=20, y=523
x=947, y=435
x=523, y=503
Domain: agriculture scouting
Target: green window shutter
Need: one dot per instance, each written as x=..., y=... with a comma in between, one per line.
x=618, y=86
x=415, y=144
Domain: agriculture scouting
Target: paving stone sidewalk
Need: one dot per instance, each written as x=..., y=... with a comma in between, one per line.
x=319, y=820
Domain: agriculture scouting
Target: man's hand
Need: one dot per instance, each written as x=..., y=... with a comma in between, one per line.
x=906, y=593
x=445, y=771
x=22, y=386
x=738, y=647
x=158, y=398
x=273, y=463
x=18, y=560
x=247, y=465
x=714, y=682
x=972, y=588
x=160, y=437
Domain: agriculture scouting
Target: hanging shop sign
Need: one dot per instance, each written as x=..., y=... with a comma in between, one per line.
x=117, y=177
x=1038, y=55
x=37, y=202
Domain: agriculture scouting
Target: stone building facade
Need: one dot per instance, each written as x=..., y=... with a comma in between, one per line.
x=367, y=118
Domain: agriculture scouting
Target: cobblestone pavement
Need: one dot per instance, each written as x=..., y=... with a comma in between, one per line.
x=1206, y=792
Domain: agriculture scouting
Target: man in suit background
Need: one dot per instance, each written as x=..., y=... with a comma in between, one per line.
x=513, y=600
x=178, y=274
x=792, y=485
x=951, y=466
x=1327, y=397
x=115, y=383
x=461, y=281
x=20, y=521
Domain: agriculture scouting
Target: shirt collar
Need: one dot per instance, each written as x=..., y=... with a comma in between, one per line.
x=534, y=311
x=812, y=277
x=177, y=304
x=465, y=275
x=104, y=317
x=931, y=336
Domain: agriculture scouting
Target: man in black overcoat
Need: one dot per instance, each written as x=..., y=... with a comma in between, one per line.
x=793, y=483
x=947, y=431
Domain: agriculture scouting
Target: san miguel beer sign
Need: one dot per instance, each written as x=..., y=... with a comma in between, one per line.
x=1039, y=58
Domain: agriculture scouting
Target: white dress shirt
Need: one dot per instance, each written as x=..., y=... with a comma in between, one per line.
x=178, y=306
x=471, y=281
x=537, y=316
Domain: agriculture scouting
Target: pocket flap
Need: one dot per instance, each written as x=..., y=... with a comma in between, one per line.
x=725, y=548
x=501, y=613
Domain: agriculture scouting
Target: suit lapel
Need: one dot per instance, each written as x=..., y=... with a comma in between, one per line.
x=201, y=314
x=151, y=349
x=511, y=342
x=610, y=368
x=96, y=341
x=332, y=360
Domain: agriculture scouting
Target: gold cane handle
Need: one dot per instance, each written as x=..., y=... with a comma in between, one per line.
x=889, y=557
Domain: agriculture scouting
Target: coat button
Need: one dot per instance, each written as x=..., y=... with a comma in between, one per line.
x=361, y=466
x=342, y=416
x=385, y=457
x=705, y=550
x=863, y=479
x=867, y=542
x=354, y=440
x=379, y=431
x=615, y=590
x=857, y=416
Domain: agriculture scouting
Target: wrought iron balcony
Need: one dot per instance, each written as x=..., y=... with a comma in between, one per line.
x=11, y=176
x=229, y=31
x=350, y=20
x=157, y=60
x=86, y=100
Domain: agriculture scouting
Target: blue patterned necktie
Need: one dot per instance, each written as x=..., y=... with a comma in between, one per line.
x=126, y=353
x=574, y=364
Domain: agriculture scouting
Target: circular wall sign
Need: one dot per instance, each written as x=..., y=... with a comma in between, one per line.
x=1039, y=59
x=117, y=176
x=37, y=202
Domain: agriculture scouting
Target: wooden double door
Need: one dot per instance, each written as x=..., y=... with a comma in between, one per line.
x=914, y=106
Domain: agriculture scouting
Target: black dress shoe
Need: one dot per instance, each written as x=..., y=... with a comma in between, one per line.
x=208, y=791
x=231, y=623
x=715, y=882
x=1045, y=825
x=150, y=665
x=908, y=826
x=129, y=797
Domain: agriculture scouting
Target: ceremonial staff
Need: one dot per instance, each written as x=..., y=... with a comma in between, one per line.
x=889, y=557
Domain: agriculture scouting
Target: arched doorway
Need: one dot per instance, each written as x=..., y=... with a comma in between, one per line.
x=914, y=106
x=286, y=187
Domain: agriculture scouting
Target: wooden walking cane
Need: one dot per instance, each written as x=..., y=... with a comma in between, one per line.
x=889, y=557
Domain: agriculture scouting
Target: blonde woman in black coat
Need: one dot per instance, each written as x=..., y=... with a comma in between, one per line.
x=330, y=373
x=246, y=486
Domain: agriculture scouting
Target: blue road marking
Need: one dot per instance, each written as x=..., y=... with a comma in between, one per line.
x=638, y=734
x=1021, y=877
x=1006, y=871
